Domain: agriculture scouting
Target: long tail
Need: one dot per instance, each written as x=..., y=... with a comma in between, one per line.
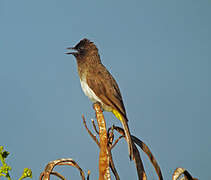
x=124, y=120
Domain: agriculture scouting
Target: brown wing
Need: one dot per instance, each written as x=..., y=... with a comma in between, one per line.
x=106, y=88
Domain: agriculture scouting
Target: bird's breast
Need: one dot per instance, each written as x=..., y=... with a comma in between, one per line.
x=89, y=92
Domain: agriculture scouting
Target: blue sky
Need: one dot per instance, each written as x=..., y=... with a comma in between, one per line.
x=158, y=51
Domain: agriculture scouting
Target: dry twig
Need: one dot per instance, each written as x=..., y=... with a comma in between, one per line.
x=45, y=175
x=95, y=128
x=181, y=171
x=90, y=133
x=147, y=151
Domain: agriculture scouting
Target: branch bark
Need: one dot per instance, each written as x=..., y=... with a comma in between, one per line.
x=104, y=173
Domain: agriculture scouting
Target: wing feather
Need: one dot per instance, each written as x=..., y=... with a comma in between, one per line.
x=106, y=88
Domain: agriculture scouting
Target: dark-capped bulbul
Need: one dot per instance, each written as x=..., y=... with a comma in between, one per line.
x=99, y=85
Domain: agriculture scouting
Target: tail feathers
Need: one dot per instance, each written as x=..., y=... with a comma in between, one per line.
x=128, y=137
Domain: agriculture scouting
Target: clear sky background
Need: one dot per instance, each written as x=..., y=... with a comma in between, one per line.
x=158, y=51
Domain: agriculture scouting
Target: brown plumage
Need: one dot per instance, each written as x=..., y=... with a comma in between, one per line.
x=99, y=85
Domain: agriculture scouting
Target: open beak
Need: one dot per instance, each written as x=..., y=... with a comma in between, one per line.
x=74, y=51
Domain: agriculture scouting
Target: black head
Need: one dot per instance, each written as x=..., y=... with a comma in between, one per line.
x=82, y=48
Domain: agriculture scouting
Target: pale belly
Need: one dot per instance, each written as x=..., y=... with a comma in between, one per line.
x=88, y=92
x=91, y=95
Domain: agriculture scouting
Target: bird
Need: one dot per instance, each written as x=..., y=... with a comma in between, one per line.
x=99, y=85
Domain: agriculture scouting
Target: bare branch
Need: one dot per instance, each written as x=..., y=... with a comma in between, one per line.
x=58, y=175
x=50, y=166
x=110, y=134
x=138, y=162
x=94, y=125
x=181, y=171
x=90, y=133
x=104, y=173
x=112, y=166
x=120, y=137
x=147, y=151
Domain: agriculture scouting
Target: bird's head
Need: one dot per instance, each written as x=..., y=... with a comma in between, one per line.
x=83, y=48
